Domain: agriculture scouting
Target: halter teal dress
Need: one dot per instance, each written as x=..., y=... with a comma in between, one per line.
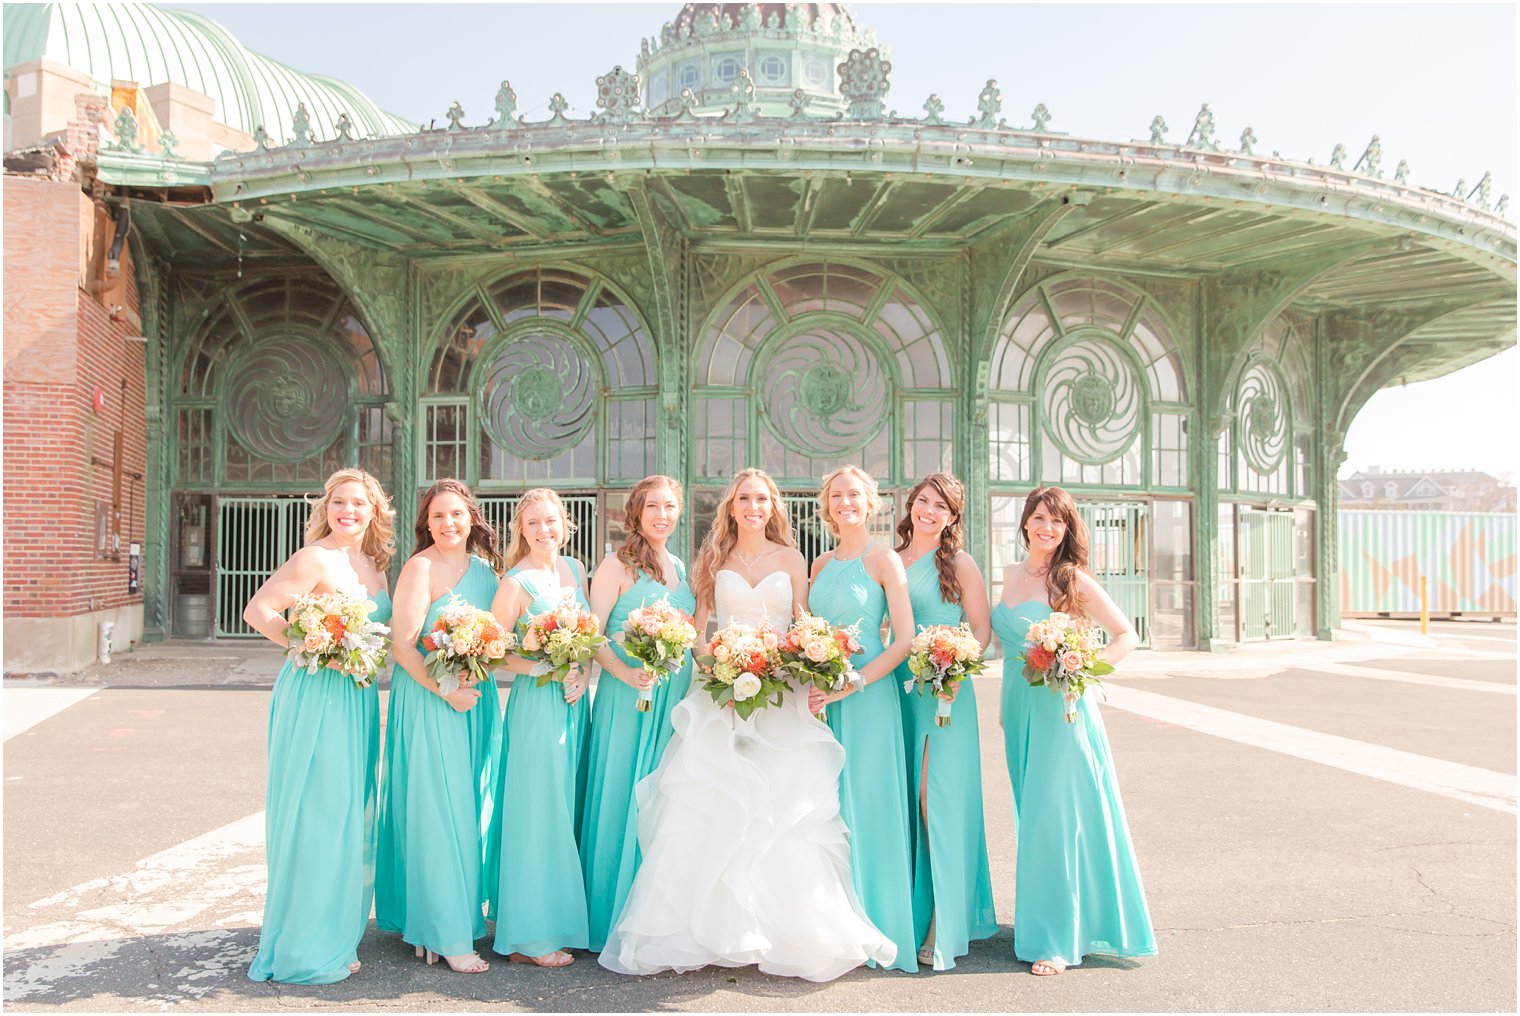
x=537, y=890
x=435, y=796
x=873, y=789
x=319, y=822
x=626, y=746
x=952, y=881
x=1079, y=889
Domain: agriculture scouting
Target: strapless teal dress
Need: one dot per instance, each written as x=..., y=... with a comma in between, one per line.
x=873, y=789
x=1078, y=882
x=319, y=822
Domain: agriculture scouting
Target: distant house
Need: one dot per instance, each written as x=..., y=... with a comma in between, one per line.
x=1414, y=490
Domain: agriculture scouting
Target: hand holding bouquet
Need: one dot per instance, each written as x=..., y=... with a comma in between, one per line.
x=940, y=658
x=561, y=638
x=465, y=638
x=334, y=630
x=743, y=668
x=1061, y=653
x=818, y=653
x=658, y=636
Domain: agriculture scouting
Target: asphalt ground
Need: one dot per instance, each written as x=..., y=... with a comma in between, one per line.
x=1320, y=826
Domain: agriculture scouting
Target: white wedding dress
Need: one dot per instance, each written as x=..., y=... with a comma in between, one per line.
x=745, y=857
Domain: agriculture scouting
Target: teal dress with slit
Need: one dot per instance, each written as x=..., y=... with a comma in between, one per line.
x=319, y=822
x=537, y=890
x=1079, y=889
x=626, y=746
x=435, y=798
x=952, y=880
x=873, y=788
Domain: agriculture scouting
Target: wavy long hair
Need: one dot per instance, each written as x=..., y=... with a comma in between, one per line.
x=720, y=539
x=1070, y=556
x=379, y=544
x=951, y=539
x=482, y=539
x=517, y=543
x=873, y=495
x=637, y=553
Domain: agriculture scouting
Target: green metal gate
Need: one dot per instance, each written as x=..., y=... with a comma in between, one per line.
x=582, y=509
x=1266, y=573
x=1118, y=555
x=254, y=536
x=813, y=536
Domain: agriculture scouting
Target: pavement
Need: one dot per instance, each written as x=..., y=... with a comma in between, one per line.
x=1320, y=826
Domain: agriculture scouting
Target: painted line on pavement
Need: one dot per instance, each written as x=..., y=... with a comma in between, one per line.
x=27, y=707
x=1406, y=677
x=1483, y=787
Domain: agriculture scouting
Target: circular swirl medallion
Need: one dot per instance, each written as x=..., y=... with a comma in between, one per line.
x=287, y=398
x=1263, y=418
x=825, y=392
x=1092, y=400
x=538, y=396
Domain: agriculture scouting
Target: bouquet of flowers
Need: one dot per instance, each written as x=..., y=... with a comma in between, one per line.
x=465, y=638
x=818, y=653
x=1061, y=653
x=658, y=636
x=334, y=630
x=743, y=668
x=940, y=658
x=560, y=639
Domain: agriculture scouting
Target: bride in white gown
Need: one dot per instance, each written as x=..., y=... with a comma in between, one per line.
x=744, y=854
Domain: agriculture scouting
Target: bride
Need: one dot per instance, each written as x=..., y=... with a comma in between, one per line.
x=745, y=857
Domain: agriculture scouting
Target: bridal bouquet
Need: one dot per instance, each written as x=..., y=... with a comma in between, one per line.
x=818, y=653
x=334, y=630
x=658, y=636
x=743, y=668
x=1061, y=653
x=465, y=639
x=940, y=658
x=559, y=639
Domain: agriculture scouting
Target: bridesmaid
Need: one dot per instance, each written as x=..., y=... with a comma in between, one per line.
x=626, y=744
x=1079, y=881
x=324, y=745
x=861, y=581
x=438, y=749
x=538, y=892
x=952, y=882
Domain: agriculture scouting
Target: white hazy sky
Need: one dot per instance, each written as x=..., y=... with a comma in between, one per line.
x=1436, y=82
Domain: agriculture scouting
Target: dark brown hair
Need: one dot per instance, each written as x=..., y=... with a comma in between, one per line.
x=1070, y=557
x=637, y=553
x=482, y=539
x=951, y=539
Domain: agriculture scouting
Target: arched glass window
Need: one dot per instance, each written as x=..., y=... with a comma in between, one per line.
x=280, y=386
x=542, y=376
x=1271, y=422
x=1087, y=388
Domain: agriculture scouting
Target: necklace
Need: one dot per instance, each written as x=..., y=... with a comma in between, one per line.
x=840, y=557
x=909, y=560
x=461, y=568
x=749, y=563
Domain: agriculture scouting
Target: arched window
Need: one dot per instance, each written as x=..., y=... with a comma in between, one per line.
x=531, y=377
x=1390, y=489
x=1271, y=423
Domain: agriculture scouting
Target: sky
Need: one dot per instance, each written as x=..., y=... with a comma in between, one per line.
x=1437, y=83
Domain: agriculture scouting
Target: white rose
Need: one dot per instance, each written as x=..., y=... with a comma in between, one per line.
x=746, y=688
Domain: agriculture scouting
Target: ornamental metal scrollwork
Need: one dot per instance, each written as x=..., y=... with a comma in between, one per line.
x=1092, y=400
x=1263, y=418
x=287, y=398
x=825, y=392
x=538, y=396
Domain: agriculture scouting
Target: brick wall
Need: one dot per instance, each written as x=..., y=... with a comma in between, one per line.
x=60, y=345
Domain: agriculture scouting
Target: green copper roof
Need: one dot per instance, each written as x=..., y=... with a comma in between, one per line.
x=142, y=43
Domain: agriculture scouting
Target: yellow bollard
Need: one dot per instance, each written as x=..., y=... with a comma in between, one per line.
x=1424, y=607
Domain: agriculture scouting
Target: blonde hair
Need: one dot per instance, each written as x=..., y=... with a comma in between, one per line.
x=720, y=539
x=517, y=543
x=637, y=553
x=873, y=495
x=379, y=544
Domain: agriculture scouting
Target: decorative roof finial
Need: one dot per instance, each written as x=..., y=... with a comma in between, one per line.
x=1248, y=141
x=800, y=101
x=126, y=131
x=343, y=130
x=1484, y=190
x=863, y=82
x=1041, y=117
x=456, y=116
x=743, y=91
x=1460, y=190
x=506, y=109
x=300, y=127
x=617, y=93
x=1158, y=130
x=1203, y=131
x=166, y=143
x=1502, y=205
x=1401, y=174
x=989, y=103
x=1371, y=159
x=557, y=106
x=933, y=107
x=1338, y=157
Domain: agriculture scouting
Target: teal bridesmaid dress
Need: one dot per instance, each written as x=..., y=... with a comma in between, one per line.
x=626, y=746
x=1079, y=889
x=873, y=789
x=319, y=822
x=537, y=891
x=434, y=798
x=952, y=881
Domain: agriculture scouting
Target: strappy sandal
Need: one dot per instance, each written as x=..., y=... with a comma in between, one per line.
x=557, y=958
x=1046, y=968
x=468, y=963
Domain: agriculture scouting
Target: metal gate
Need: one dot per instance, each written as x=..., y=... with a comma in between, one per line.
x=582, y=509
x=1266, y=573
x=1118, y=555
x=254, y=536
x=812, y=534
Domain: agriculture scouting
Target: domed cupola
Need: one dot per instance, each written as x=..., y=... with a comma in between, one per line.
x=789, y=52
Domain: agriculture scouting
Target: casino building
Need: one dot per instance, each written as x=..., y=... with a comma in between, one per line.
x=744, y=256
